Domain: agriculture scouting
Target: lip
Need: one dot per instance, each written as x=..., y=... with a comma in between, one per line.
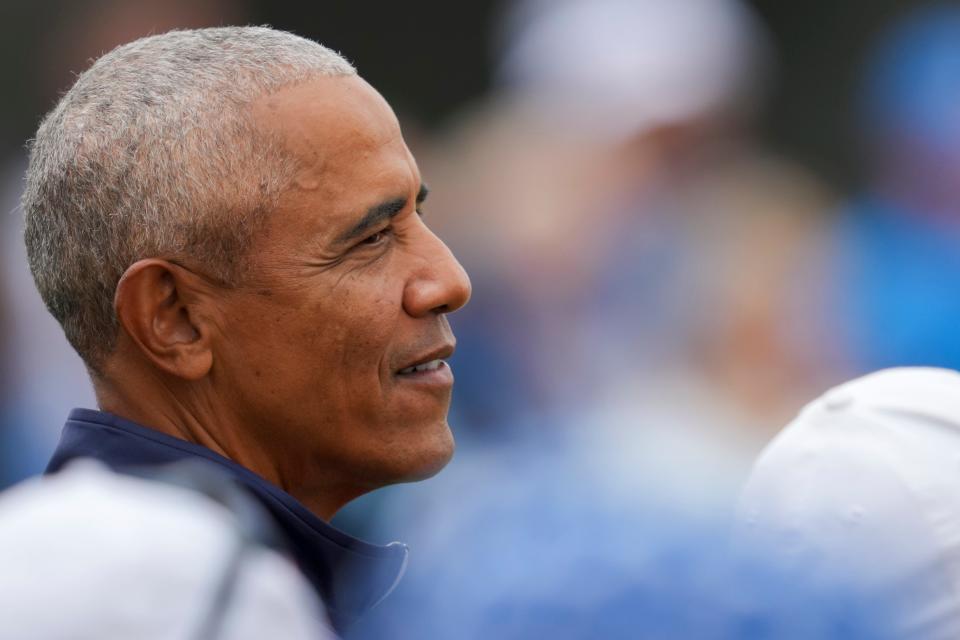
x=440, y=376
x=442, y=352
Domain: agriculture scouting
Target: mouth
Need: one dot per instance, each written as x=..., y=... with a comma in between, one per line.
x=432, y=365
x=430, y=368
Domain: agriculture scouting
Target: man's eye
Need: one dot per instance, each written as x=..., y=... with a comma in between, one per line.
x=375, y=238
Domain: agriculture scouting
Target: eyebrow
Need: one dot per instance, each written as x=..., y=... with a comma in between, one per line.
x=380, y=212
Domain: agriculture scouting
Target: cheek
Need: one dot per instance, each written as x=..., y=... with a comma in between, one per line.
x=339, y=338
x=317, y=353
x=357, y=320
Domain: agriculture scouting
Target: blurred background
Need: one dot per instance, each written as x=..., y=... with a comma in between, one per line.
x=682, y=221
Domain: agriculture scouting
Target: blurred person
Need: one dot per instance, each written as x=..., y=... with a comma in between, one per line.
x=226, y=224
x=619, y=224
x=861, y=488
x=541, y=540
x=91, y=555
x=614, y=168
x=888, y=276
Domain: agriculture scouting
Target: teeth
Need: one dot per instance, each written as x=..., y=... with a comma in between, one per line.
x=426, y=366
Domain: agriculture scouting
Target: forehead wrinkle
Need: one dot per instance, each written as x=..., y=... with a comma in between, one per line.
x=343, y=159
x=309, y=172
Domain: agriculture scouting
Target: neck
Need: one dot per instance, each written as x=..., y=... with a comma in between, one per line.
x=192, y=412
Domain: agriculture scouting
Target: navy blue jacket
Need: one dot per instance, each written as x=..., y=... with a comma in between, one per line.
x=350, y=575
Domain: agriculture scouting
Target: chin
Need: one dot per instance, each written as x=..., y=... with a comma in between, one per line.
x=439, y=460
x=433, y=456
x=424, y=458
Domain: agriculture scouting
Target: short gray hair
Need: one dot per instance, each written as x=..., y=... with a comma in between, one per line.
x=153, y=153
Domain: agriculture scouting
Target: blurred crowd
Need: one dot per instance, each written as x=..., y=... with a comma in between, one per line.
x=656, y=293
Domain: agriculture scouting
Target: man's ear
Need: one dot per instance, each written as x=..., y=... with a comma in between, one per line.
x=158, y=305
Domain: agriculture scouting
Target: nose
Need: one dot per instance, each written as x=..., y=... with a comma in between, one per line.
x=440, y=284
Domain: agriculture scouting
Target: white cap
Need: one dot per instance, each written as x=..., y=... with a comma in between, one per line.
x=625, y=66
x=864, y=487
x=88, y=554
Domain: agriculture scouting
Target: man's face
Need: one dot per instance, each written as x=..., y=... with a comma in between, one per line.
x=348, y=290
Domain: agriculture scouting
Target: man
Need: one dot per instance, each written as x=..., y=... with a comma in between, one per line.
x=226, y=223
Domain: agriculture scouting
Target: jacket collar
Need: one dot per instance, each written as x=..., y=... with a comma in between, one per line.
x=351, y=576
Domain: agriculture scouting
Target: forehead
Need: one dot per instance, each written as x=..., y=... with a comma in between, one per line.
x=347, y=142
x=325, y=113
